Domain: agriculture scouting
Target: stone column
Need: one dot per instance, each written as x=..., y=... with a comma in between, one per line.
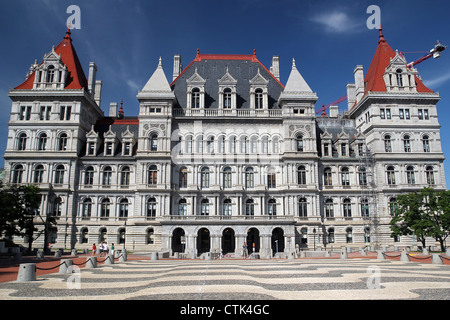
x=265, y=248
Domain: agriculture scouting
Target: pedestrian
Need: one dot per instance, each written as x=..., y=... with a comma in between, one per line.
x=102, y=249
x=106, y=248
x=244, y=250
x=112, y=249
x=94, y=248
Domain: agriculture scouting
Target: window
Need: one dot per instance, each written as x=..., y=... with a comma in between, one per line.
x=420, y=114
x=17, y=174
x=249, y=178
x=38, y=174
x=271, y=180
x=42, y=142
x=343, y=149
x=410, y=177
x=347, y=208
x=362, y=174
x=254, y=145
x=183, y=178
x=345, y=176
x=426, y=144
x=59, y=174
x=204, y=179
x=399, y=78
x=249, y=207
x=430, y=175
x=392, y=205
x=25, y=113
x=302, y=208
x=299, y=143
x=50, y=74
x=407, y=143
x=244, y=145
x=258, y=99
x=204, y=208
x=301, y=175
x=425, y=114
x=45, y=113
x=89, y=176
x=407, y=114
x=390, y=175
x=107, y=176
x=330, y=235
x=388, y=113
x=276, y=148
x=125, y=176
x=382, y=113
x=367, y=235
x=304, y=236
x=152, y=175
x=349, y=236
x=62, y=142
x=57, y=207
x=210, y=145
x=123, y=208
x=22, y=142
x=109, y=149
x=227, y=177
x=326, y=149
x=401, y=114
x=329, y=208
x=91, y=148
x=154, y=142
x=105, y=208
x=361, y=149
x=222, y=144
x=127, y=149
x=387, y=143
x=65, y=112
x=189, y=144
x=200, y=144
x=195, y=98
x=227, y=207
x=182, y=207
x=86, y=208
x=327, y=177
x=265, y=145
x=365, y=211
x=272, y=207
x=227, y=98
x=150, y=236
x=233, y=145
x=151, y=208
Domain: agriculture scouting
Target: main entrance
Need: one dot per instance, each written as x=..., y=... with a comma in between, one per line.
x=177, y=244
x=277, y=240
x=203, y=241
x=253, y=240
x=228, y=243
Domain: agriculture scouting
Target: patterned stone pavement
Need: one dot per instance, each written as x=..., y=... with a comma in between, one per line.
x=323, y=279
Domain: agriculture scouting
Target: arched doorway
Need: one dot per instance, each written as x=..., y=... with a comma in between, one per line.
x=277, y=240
x=253, y=240
x=203, y=241
x=228, y=243
x=178, y=240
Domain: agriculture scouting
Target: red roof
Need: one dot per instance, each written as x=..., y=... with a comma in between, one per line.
x=374, y=78
x=75, y=78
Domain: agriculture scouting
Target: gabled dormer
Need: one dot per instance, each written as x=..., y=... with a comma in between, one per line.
x=398, y=77
x=110, y=143
x=342, y=142
x=358, y=144
x=259, y=93
x=326, y=143
x=51, y=74
x=92, y=142
x=195, y=91
x=128, y=142
x=227, y=91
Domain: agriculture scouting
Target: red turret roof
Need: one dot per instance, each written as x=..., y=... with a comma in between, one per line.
x=75, y=78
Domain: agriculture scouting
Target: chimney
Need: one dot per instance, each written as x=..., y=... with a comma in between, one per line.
x=176, y=66
x=334, y=111
x=98, y=92
x=359, y=82
x=275, y=67
x=91, y=79
x=113, y=109
x=351, y=95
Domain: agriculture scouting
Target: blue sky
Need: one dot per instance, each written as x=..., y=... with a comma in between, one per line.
x=125, y=38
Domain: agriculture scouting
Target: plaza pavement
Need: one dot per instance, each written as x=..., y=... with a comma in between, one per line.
x=356, y=278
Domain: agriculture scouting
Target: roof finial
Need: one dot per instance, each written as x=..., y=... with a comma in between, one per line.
x=254, y=52
x=67, y=36
x=120, y=113
x=160, y=62
x=293, y=63
x=198, y=51
x=381, y=35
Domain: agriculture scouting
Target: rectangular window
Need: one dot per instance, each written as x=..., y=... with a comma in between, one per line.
x=382, y=114
x=425, y=114
x=65, y=112
x=388, y=113
x=401, y=114
x=407, y=115
x=420, y=114
x=271, y=180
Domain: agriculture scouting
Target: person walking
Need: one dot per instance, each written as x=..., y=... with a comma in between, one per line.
x=244, y=250
x=112, y=249
x=94, y=248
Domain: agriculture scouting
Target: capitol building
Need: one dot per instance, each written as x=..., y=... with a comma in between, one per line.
x=223, y=154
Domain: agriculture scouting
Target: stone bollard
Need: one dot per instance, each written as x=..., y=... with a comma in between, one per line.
x=91, y=262
x=58, y=254
x=40, y=254
x=302, y=254
x=436, y=259
x=327, y=254
x=344, y=253
x=27, y=272
x=109, y=259
x=155, y=256
x=74, y=253
x=404, y=256
x=65, y=265
x=380, y=255
x=291, y=255
x=208, y=256
x=123, y=256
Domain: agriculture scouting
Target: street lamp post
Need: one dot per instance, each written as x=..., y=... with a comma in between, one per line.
x=314, y=232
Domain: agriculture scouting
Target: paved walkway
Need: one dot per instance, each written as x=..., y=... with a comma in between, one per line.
x=358, y=278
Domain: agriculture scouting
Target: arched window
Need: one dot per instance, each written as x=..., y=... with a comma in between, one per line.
x=189, y=144
x=410, y=176
x=22, y=142
x=62, y=142
x=399, y=77
x=233, y=144
x=301, y=175
x=38, y=173
x=59, y=174
x=50, y=74
x=107, y=176
x=84, y=235
x=249, y=178
x=152, y=175
x=275, y=145
x=204, y=178
x=226, y=207
x=429, y=171
x=151, y=208
x=367, y=235
x=390, y=171
x=365, y=209
x=150, y=236
x=227, y=177
x=330, y=235
x=244, y=145
x=123, y=208
x=42, y=141
x=302, y=208
x=387, y=143
x=349, y=236
x=362, y=174
x=204, y=208
x=154, y=142
x=57, y=206
x=327, y=177
x=182, y=207
x=195, y=98
x=89, y=176
x=426, y=144
x=329, y=208
x=87, y=208
x=183, y=178
x=105, y=208
x=249, y=207
x=265, y=145
x=125, y=176
x=200, y=144
x=259, y=102
x=227, y=98
x=299, y=142
x=407, y=143
x=347, y=208
x=272, y=207
x=210, y=145
x=345, y=176
x=392, y=205
x=222, y=144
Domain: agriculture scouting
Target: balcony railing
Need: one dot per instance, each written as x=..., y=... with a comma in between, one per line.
x=190, y=218
x=266, y=113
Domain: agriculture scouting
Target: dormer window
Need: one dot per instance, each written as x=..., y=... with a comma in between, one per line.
x=195, y=91
x=227, y=98
x=399, y=77
x=259, y=92
x=50, y=74
x=259, y=99
x=195, y=98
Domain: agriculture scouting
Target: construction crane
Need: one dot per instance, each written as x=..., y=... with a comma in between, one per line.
x=435, y=53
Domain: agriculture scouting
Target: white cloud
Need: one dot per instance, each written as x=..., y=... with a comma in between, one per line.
x=337, y=22
x=436, y=82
